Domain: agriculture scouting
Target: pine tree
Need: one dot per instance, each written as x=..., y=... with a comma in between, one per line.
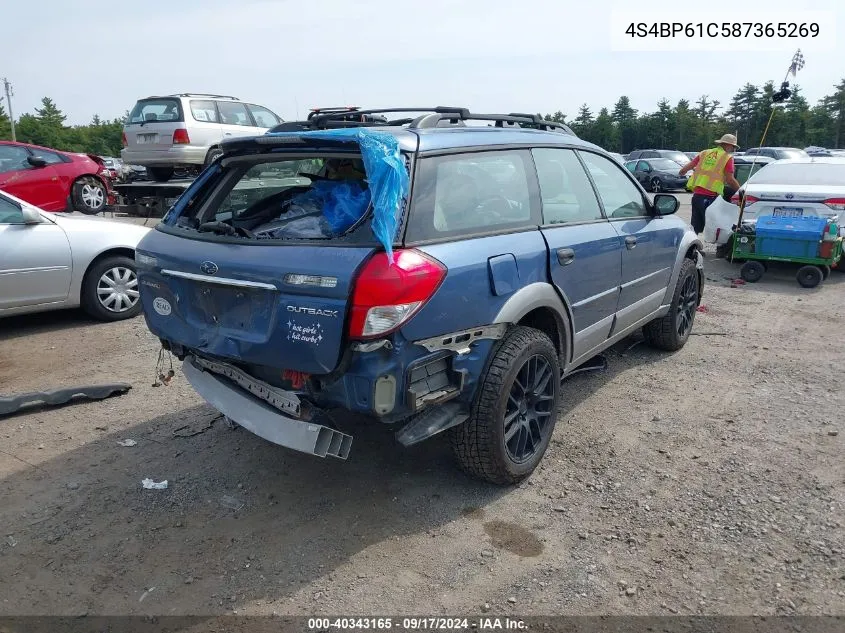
x=5, y=124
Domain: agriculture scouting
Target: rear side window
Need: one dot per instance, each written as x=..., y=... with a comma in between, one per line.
x=163, y=110
x=204, y=110
x=466, y=194
x=565, y=189
x=51, y=157
x=233, y=113
x=263, y=117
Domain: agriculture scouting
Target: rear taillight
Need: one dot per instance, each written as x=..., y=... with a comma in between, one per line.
x=748, y=199
x=387, y=296
x=837, y=204
x=123, y=139
x=180, y=137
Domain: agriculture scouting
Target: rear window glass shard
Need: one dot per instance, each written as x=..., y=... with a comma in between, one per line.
x=322, y=196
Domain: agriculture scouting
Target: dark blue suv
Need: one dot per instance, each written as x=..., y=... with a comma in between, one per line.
x=439, y=272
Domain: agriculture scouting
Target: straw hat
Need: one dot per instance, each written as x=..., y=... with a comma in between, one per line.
x=727, y=139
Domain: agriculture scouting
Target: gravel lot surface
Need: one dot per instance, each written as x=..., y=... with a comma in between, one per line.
x=709, y=481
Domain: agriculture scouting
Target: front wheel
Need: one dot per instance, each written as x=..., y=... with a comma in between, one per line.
x=671, y=332
x=656, y=185
x=110, y=289
x=752, y=271
x=89, y=195
x=515, y=411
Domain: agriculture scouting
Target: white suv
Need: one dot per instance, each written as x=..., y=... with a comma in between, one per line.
x=185, y=130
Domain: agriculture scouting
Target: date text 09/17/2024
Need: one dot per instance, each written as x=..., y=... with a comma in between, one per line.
x=789, y=30
x=417, y=624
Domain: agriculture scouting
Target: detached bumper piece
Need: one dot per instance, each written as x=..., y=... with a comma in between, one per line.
x=56, y=397
x=229, y=391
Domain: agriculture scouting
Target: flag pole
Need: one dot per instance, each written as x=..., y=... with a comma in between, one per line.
x=795, y=65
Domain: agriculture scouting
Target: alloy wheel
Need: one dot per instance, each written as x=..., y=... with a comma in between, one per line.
x=528, y=413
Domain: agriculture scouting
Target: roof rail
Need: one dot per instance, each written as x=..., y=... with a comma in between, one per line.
x=435, y=117
x=203, y=94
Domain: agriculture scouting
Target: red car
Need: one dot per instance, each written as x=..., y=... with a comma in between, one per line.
x=54, y=180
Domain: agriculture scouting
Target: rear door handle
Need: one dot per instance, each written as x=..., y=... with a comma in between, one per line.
x=565, y=256
x=630, y=242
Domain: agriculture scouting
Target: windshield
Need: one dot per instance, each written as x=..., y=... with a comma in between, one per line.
x=678, y=157
x=793, y=153
x=800, y=174
x=664, y=164
x=156, y=110
x=319, y=197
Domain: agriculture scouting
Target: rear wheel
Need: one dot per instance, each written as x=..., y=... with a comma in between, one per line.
x=671, y=332
x=160, y=174
x=89, y=195
x=752, y=271
x=809, y=276
x=515, y=411
x=656, y=185
x=825, y=272
x=110, y=289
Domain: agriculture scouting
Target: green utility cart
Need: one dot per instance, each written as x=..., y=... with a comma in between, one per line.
x=813, y=243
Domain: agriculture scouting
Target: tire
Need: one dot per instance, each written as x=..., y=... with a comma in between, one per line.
x=825, y=272
x=723, y=251
x=656, y=186
x=160, y=174
x=752, y=271
x=89, y=195
x=670, y=332
x=99, y=278
x=481, y=444
x=810, y=276
x=212, y=155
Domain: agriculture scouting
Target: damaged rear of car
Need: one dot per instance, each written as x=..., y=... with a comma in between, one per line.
x=278, y=279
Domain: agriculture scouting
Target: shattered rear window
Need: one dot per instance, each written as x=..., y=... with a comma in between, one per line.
x=310, y=198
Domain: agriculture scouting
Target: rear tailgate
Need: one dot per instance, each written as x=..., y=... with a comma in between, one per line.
x=152, y=122
x=274, y=305
x=792, y=200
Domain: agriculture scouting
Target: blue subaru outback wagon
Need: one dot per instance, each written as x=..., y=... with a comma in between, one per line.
x=439, y=272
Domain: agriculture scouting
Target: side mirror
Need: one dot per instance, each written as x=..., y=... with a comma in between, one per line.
x=665, y=204
x=31, y=216
x=36, y=161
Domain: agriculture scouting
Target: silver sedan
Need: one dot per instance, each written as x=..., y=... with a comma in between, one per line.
x=50, y=261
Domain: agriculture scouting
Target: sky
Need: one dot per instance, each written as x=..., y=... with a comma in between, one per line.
x=99, y=57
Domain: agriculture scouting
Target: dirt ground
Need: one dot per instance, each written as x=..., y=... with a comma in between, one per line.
x=709, y=481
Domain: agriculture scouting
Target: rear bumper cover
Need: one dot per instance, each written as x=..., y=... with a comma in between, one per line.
x=176, y=155
x=262, y=419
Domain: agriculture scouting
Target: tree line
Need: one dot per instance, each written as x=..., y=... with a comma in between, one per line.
x=46, y=126
x=687, y=126
x=692, y=126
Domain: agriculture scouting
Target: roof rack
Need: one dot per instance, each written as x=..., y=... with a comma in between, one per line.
x=203, y=94
x=323, y=118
